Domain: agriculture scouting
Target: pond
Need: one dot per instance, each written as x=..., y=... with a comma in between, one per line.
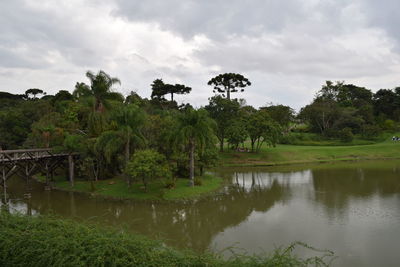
x=352, y=209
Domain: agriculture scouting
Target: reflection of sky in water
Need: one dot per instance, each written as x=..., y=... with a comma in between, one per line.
x=18, y=206
x=352, y=211
x=250, y=180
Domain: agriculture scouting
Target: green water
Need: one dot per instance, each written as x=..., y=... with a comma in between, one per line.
x=352, y=209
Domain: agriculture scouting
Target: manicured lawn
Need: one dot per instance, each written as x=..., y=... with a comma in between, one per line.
x=292, y=154
x=117, y=188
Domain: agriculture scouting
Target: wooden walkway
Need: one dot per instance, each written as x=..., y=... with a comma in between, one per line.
x=26, y=162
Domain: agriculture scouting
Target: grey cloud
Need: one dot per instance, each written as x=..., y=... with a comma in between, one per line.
x=384, y=14
x=41, y=31
x=216, y=18
x=287, y=48
x=290, y=56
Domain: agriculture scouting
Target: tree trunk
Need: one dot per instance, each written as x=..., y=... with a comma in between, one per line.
x=128, y=180
x=191, y=165
x=228, y=93
x=71, y=169
x=172, y=96
x=127, y=149
x=252, y=144
x=47, y=174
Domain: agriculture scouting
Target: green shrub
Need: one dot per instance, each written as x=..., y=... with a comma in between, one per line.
x=389, y=125
x=46, y=241
x=370, y=131
x=170, y=183
x=198, y=181
x=148, y=165
x=346, y=135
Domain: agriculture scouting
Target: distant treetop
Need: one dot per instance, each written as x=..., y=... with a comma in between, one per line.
x=229, y=83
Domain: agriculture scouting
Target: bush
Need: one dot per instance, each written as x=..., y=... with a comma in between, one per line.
x=148, y=165
x=198, y=181
x=370, y=131
x=46, y=241
x=346, y=135
x=389, y=125
x=170, y=183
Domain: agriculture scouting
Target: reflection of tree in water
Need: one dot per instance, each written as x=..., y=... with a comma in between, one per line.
x=335, y=188
x=192, y=225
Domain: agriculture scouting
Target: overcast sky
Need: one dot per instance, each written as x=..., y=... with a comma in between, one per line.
x=287, y=49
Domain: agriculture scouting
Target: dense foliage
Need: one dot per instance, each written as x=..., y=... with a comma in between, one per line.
x=148, y=165
x=107, y=128
x=345, y=109
x=44, y=241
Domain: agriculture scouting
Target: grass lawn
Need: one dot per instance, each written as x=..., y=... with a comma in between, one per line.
x=292, y=154
x=117, y=188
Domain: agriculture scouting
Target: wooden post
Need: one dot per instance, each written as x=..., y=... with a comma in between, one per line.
x=71, y=169
x=47, y=174
x=4, y=185
x=29, y=207
x=27, y=177
x=47, y=186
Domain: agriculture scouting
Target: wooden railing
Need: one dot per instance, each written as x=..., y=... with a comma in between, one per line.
x=27, y=162
x=10, y=156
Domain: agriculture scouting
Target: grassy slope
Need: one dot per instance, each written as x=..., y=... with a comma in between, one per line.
x=290, y=154
x=117, y=188
x=45, y=241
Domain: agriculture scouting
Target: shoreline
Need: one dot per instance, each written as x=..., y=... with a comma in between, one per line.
x=98, y=195
x=294, y=154
x=281, y=155
x=206, y=194
x=296, y=163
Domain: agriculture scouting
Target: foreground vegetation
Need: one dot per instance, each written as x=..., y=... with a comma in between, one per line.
x=45, y=241
x=293, y=154
x=116, y=188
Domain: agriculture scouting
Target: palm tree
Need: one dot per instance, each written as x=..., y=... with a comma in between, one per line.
x=130, y=119
x=98, y=96
x=127, y=122
x=100, y=90
x=100, y=85
x=195, y=129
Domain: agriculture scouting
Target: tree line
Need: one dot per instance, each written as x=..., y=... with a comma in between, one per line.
x=156, y=137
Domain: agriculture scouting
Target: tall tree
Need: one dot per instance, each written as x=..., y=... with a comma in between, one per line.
x=160, y=89
x=34, y=92
x=130, y=120
x=321, y=115
x=228, y=83
x=284, y=115
x=223, y=111
x=100, y=89
x=127, y=122
x=385, y=102
x=82, y=90
x=178, y=89
x=62, y=95
x=262, y=129
x=195, y=129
